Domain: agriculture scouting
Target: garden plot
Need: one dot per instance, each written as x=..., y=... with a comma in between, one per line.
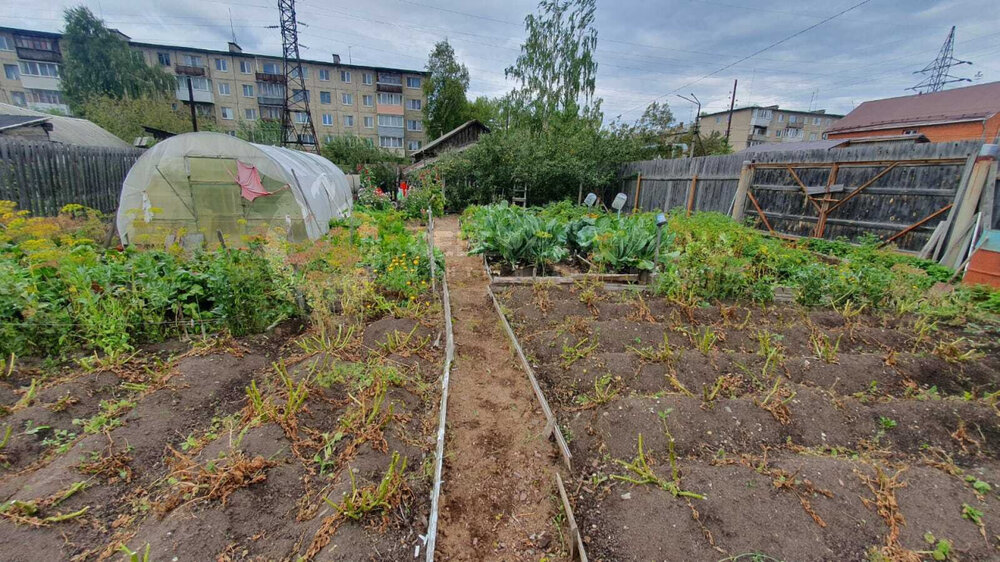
x=125, y=430
x=802, y=434
x=265, y=447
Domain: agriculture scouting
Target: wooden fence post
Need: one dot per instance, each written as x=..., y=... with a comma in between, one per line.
x=967, y=205
x=740, y=201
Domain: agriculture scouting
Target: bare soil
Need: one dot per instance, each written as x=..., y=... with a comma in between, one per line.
x=498, y=493
x=172, y=454
x=857, y=435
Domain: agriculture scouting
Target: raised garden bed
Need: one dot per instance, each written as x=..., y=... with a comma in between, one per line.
x=781, y=431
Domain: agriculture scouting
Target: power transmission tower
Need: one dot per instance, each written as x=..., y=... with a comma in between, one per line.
x=937, y=72
x=297, y=131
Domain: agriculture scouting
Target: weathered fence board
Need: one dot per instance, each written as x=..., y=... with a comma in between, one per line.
x=42, y=177
x=911, y=182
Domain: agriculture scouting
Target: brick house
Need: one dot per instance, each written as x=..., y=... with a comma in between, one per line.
x=970, y=113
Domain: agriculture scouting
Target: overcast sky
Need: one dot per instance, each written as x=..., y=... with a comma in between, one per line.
x=646, y=50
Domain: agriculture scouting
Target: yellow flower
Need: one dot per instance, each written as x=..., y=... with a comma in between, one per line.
x=415, y=262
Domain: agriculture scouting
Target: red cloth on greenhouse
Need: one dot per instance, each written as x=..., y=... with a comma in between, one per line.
x=249, y=180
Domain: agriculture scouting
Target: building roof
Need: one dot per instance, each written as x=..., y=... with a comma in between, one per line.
x=15, y=121
x=816, y=112
x=52, y=35
x=971, y=103
x=450, y=134
x=69, y=130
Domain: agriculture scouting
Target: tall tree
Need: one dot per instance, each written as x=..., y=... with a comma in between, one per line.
x=556, y=69
x=445, y=91
x=98, y=62
x=484, y=110
x=656, y=121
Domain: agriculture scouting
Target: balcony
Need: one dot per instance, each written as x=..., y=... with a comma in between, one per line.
x=388, y=109
x=189, y=70
x=200, y=96
x=391, y=88
x=271, y=100
x=796, y=125
x=38, y=55
x=33, y=82
x=759, y=137
x=384, y=131
x=273, y=78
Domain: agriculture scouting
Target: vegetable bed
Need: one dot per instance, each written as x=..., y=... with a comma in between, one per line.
x=310, y=440
x=742, y=431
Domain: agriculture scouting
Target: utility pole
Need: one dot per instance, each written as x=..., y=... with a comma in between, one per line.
x=695, y=127
x=194, y=114
x=732, y=103
x=937, y=70
x=293, y=131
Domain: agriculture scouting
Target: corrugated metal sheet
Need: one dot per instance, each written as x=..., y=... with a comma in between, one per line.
x=959, y=104
x=70, y=130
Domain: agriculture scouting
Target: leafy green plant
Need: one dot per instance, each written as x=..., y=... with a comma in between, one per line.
x=108, y=417
x=581, y=350
x=606, y=388
x=381, y=498
x=887, y=423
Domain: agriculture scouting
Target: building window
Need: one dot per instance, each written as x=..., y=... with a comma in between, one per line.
x=390, y=99
x=369, y=122
x=32, y=68
x=347, y=99
x=390, y=142
x=222, y=65
x=307, y=138
x=812, y=136
x=829, y=122
x=390, y=121
x=327, y=119
x=413, y=145
x=348, y=120
x=37, y=43
x=19, y=99
x=367, y=78
x=197, y=83
x=300, y=95
x=328, y=139
x=414, y=104
x=46, y=96
x=368, y=100
x=294, y=73
x=345, y=76
x=792, y=118
x=270, y=90
x=412, y=82
x=5, y=44
x=817, y=120
x=192, y=60
x=271, y=68
x=414, y=125
x=324, y=97
x=10, y=71
x=224, y=88
x=248, y=90
x=246, y=67
x=718, y=119
x=270, y=112
x=777, y=133
x=324, y=75
x=227, y=113
x=301, y=117
x=390, y=78
x=250, y=114
x=163, y=59
x=909, y=131
x=781, y=117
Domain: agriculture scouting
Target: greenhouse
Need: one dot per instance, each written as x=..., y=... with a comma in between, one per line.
x=193, y=186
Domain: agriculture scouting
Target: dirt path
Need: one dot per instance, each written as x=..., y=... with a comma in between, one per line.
x=498, y=494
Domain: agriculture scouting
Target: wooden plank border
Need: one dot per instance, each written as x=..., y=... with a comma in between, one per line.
x=575, y=538
x=449, y=354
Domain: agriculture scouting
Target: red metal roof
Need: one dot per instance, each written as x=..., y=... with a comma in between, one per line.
x=959, y=104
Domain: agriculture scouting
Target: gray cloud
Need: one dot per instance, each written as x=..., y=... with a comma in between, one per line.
x=646, y=50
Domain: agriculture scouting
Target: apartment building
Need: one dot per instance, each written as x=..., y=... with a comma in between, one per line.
x=230, y=87
x=759, y=125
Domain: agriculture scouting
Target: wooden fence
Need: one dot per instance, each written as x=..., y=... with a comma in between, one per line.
x=42, y=177
x=900, y=193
